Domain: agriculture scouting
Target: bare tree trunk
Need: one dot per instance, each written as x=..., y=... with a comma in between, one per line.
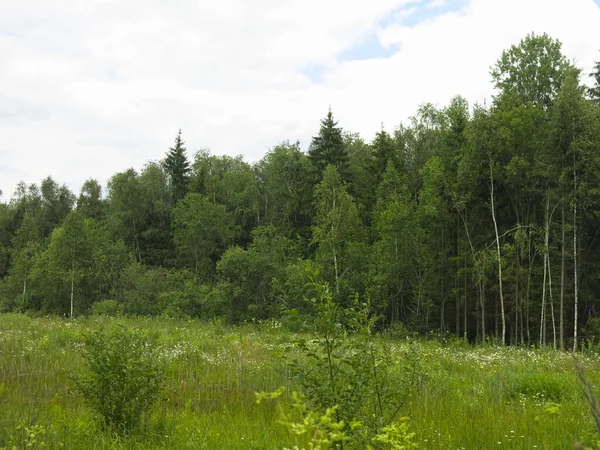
x=499, y=255
x=72, y=285
x=443, y=299
x=137, y=243
x=546, y=240
x=562, y=283
x=335, y=266
x=528, y=289
x=465, y=324
x=24, y=291
x=517, y=302
x=482, y=301
x=543, y=312
x=575, y=298
x=551, y=305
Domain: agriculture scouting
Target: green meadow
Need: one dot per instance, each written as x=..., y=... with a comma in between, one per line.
x=464, y=397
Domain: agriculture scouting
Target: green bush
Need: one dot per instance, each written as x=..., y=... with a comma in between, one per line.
x=107, y=308
x=125, y=376
x=344, y=368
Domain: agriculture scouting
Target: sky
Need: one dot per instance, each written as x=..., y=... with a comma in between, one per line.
x=89, y=89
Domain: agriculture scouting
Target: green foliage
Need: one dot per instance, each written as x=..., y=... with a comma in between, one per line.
x=532, y=71
x=594, y=91
x=313, y=430
x=202, y=230
x=213, y=370
x=345, y=370
x=81, y=261
x=328, y=148
x=109, y=308
x=337, y=229
x=286, y=196
x=178, y=168
x=28, y=437
x=125, y=376
x=90, y=201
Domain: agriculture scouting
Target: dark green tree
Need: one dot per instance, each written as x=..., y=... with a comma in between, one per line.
x=337, y=230
x=328, y=147
x=532, y=71
x=595, y=90
x=178, y=168
x=384, y=150
x=202, y=231
x=90, y=200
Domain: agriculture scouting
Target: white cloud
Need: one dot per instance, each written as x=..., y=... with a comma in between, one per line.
x=90, y=88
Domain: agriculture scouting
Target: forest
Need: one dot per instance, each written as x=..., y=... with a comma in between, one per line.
x=480, y=221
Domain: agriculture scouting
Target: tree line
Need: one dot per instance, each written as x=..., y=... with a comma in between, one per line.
x=478, y=220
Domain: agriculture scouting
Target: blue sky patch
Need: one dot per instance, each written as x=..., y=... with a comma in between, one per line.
x=428, y=10
x=369, y=48
x=410, y=14
x=315, y=72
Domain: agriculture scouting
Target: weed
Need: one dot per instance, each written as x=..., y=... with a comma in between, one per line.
x=125, y=376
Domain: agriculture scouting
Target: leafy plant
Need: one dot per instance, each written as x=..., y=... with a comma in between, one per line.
x=107, y=308
x=125, y=376
x=343, y=368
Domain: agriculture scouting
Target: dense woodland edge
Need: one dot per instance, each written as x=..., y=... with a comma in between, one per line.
x=478, y=221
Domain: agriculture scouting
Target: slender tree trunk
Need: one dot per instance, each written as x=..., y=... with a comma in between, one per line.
x=543, y=312
x=482, y=301
x=499, y=255
x=551, y=305
x=72, y=285
x=443, y=300
x=465, y=324
x=480, y=291
x=562, y=283
x=517, y=302
x=24, y=291
x=335, y=266
x=528, y=289
x=137, y=243
x=575, y=281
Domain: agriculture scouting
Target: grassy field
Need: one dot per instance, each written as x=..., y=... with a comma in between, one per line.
x=466, y=397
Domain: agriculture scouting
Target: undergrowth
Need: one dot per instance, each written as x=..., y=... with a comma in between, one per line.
x=462, y=397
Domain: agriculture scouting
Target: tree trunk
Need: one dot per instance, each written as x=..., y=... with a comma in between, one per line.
x=575, y=281
x=499, y=256
x=551, y=305
x=482, y=302
x=335, y=266
x=546, y=239
x=72, y=285
x=24, y=291
x=543, y=311
x=562, y=283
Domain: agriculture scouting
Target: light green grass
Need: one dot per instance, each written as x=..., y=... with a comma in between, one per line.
x=466, y=397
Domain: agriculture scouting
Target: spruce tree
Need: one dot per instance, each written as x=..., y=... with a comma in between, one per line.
x=595, y=91
x=328, y=147
x=178, y=168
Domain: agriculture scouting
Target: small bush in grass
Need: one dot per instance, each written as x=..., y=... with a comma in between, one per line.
x=107, y=308
x=125, y=376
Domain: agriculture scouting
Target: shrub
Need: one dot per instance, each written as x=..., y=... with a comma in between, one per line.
x=107, y=308
x=125, y=376
x=345, y=369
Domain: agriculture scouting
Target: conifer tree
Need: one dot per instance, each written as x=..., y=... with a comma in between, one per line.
x=328, y=147
x=595, y=90
x=178, y=168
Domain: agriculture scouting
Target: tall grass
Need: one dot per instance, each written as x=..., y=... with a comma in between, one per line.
x=467, y=397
